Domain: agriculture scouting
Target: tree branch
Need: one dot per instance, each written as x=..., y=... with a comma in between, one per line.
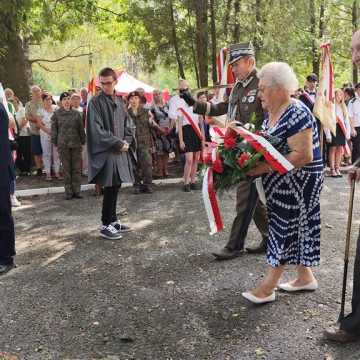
x=48, y=69
x=341, y=8
x=69, y=55
x=110, y=11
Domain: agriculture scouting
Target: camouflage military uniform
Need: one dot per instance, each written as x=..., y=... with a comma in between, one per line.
x=68, y=135
x=243, y=102
x=143, y=173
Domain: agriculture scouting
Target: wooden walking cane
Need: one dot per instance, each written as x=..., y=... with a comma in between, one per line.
x=347, y=248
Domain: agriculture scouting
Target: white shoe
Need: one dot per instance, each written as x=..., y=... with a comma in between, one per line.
x=14, y=201
x=312, y=286
x=256, y=300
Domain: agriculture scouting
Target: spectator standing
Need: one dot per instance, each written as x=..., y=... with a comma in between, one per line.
x=76, y=103
x=50, y=153
x=110, y=138
x=23, y=156
x=144, y=143
x=68, y=135
x=354, y=114
x=191, y=137
x=337, y=143
x=84, y=96
x=32, y=109
x=163, y=141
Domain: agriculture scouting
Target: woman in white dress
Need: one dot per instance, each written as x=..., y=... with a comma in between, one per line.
x=50, y=154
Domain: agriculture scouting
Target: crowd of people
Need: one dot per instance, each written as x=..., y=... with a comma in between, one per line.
x=126, y=138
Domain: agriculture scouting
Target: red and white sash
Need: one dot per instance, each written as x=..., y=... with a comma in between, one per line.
x=210, y=202
x=193, y=124
x=274, y=158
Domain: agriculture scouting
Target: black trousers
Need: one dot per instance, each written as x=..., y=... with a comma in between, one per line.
x=351, y=323
x=23, y=156
x=355, y=154
x=109, y=205
x=7, y=232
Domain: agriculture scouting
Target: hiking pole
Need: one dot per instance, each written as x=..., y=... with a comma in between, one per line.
x=347, y=248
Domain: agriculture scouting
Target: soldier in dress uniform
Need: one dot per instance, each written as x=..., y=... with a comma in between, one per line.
x=241, y=107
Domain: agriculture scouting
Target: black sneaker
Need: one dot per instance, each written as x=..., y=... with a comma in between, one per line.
x=68, y=196
x=39, y=172
x=5, y=268
x=187, y=188
x=109, y=232
x=77, y=196
x=136, y=190
x=121, y=227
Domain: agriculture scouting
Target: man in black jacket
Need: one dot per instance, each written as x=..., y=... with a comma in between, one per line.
x=349, y=329
x=7, y=233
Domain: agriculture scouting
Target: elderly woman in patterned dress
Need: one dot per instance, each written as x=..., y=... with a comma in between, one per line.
x=293, y=199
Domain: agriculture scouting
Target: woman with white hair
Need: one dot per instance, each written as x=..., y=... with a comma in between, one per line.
x=293, y=199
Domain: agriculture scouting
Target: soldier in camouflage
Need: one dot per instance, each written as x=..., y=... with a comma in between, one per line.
x=144, y=143
x=241, y=107
x=68, y=135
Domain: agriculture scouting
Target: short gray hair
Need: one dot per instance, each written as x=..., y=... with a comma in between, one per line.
x=279, y=74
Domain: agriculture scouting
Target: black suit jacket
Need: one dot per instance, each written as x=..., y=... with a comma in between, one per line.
x=6, y=174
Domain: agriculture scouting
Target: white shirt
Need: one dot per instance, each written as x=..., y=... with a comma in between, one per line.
x=46, y=119
x=354, y=111
x=177, y=102
x=19, y=116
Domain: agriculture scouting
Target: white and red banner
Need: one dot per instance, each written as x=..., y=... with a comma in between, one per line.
x=324, y=107
x=274, y=158
x=210, y=200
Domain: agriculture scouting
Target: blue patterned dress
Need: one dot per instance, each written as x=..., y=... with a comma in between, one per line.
x=293, y=199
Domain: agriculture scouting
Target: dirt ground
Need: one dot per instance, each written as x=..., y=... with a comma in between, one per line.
x=157, y=293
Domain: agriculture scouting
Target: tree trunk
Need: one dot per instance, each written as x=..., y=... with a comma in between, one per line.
x=227, y=19
x=355, y=20
x=258, y=43
x=314, y=47
x=175, y=40
x=213, y=40
x=192, y=41
x=201, y=11
x=236, y=34
x=15, y=68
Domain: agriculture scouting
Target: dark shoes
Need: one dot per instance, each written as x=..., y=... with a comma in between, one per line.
x=187, y=188
x=227, y=254
x=68, y=196
x=339, y=335
x=261, y=249
x=146, y=189
x=6, y=268
x=77, y=196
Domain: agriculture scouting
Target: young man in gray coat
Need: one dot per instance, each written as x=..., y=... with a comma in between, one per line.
x=110, y=139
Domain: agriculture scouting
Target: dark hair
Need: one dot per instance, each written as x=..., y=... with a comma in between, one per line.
x=108, y=72
x=64, y=95
x=201, y=93
x=132, y=94
x=357, y=86
x=349, y=91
